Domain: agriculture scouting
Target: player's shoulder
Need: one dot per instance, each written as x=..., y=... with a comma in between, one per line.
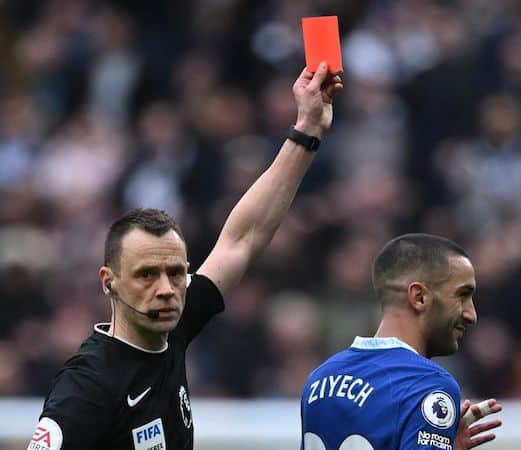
x=387, y=358
x=433, y=370
x=412, y=378
x=422, y=367
x=424, y=384
x=396, y=354
x=431, y=397
x=409, y=368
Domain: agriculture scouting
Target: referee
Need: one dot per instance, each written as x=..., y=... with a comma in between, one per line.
x=126, y=387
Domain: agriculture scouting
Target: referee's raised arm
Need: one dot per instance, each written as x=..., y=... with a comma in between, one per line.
x=253, y=221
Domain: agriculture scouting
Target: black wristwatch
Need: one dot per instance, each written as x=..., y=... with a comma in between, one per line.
x=310, y=143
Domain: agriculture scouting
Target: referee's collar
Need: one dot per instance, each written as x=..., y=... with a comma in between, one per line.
x=378, y=343
x=103, y=328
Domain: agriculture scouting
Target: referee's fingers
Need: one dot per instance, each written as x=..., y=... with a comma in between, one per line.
x=319, y=77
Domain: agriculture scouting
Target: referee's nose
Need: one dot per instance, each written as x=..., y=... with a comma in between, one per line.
x=164, y=288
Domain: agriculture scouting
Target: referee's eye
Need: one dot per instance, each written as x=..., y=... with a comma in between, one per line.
x=146, y=274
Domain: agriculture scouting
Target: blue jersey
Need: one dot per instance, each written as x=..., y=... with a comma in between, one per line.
x=379, y=394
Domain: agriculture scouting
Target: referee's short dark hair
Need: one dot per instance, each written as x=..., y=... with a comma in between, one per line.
x=425, y=254
x=153, y=221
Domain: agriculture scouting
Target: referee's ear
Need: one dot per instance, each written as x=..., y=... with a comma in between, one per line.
x=106, y=277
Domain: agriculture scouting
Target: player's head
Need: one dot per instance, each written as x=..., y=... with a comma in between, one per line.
x=433, y=279
x=145, y=266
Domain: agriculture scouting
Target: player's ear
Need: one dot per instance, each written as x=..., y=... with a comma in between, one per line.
x=418, y=296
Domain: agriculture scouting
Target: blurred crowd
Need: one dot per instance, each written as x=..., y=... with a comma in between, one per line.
x=110, y=105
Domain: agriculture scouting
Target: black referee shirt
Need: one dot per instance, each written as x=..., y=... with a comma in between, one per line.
x=112, y=395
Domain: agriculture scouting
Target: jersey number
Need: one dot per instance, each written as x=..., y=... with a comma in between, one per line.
x=353, y=442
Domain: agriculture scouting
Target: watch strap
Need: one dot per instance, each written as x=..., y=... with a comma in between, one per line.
x=310, y=143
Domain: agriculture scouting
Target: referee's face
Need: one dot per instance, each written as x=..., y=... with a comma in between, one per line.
x=153, y=272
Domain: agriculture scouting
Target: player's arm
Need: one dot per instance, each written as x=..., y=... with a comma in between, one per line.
x=429, y=413
x=471, y=436
x=254, y=220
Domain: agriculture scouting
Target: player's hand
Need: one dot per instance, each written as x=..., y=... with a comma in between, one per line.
x=472, y=436
x=314, y=96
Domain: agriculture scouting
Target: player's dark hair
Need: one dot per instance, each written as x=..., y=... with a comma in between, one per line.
x=425, y=254
x=153, y=221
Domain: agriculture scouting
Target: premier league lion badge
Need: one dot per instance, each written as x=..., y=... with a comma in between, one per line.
x=438, y=409
x=184, y=405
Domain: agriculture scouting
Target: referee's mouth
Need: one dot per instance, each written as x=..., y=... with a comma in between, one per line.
x=166, y=313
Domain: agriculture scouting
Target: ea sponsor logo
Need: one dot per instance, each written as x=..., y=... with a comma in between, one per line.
x=438, y=409
x=42, y=435
x=184, y=405
x=47, y=436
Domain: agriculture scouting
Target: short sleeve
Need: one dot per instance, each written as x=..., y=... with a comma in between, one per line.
x=203, y=301
x=430, y=413
x=76, y=413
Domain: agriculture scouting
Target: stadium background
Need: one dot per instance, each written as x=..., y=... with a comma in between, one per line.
x=109, y=105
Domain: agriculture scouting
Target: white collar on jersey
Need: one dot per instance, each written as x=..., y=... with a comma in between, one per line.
x=375, y=343
x=98, y=329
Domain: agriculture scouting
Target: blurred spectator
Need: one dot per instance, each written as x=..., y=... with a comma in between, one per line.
x=114, y=71
x=293, y=324
x=53, y=55
x=12, y=376
x=489, y=348
x=164, y=157
x=510, y=62
x=482, y=174
x=78, y=165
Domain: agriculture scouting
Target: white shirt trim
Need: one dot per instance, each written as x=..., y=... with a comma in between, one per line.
x=377, y=343
x=98, y=329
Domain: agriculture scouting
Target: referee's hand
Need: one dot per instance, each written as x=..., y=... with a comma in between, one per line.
x=472, y=436
x=314, y=94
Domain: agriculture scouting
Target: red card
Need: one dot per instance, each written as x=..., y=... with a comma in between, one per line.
x=322, y=42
